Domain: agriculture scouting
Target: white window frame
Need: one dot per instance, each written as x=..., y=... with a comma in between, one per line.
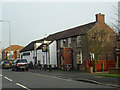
x=78, y=40
x=69, y=42
x=61, y=43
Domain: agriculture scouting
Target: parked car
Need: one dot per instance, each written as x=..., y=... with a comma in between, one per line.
x=20, y=64
x=6, y=64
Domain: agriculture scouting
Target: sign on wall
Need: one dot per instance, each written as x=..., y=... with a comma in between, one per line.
x=44, y=48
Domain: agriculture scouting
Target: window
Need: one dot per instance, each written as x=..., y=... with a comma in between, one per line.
x=21, y=61
x=69, y=42
x=61, y=43
x=26, y=54
x=78, y=41
x=91, y=56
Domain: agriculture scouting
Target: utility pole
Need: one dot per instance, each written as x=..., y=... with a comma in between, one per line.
x=9, y=35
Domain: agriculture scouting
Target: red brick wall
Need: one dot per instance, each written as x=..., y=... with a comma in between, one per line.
x=67, y=56
x=107, y=64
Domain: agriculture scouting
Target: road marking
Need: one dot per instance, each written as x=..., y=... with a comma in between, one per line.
x=8, y=79
x=55, y=77
x=22, y=86
x=1, y=75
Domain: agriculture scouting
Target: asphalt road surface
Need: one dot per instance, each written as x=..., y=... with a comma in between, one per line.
x=29, y=80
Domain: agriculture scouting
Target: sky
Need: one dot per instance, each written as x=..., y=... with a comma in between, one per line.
x=33, y=20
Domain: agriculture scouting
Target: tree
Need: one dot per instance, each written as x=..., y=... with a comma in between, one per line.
x=117, y=27
x=98, y=38
x=116, y=14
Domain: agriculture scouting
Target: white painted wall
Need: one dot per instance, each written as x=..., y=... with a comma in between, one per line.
x=40, y=56
x=52, y=52
x=28, y=57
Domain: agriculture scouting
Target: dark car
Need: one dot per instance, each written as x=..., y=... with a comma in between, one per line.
x=6, y=64
x=20, y=64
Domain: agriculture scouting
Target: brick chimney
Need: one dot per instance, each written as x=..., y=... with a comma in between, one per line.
x=100, y=18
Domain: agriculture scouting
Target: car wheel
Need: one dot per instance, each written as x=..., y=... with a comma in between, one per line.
x=12, y=69
x=22, y=69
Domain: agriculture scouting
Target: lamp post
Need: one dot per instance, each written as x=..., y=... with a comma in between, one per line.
x=9, y=34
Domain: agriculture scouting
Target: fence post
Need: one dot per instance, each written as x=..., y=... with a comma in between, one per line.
x=117, y=62
x=102, y=66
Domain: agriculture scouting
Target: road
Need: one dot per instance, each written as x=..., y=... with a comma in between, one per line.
x=29, y=80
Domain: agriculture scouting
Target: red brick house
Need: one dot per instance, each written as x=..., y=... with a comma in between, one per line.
x=14, y=49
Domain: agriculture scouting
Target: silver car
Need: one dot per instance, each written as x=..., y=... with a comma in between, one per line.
x=20, y=64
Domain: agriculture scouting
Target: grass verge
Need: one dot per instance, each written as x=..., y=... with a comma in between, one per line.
x=110, y=75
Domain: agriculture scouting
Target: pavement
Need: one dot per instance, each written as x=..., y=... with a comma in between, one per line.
x=80, y=76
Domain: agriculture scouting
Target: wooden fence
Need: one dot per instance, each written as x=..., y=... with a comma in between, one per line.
x=102, y=65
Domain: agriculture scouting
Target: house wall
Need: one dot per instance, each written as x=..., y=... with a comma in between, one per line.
x=28, y=57
x=14, y=55
x=14, y=49
x=53, y=53
x=41, y=56
x=107, y=51
x=74, y=48
x=109, y=41
x=4, y=56
x=84, y=44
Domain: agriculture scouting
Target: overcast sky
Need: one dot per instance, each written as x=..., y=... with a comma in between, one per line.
x=32, y=20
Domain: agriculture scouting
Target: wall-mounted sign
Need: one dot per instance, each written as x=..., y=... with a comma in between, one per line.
x=44, y=48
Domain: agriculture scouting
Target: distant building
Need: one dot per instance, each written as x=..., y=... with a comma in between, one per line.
x=14, y=50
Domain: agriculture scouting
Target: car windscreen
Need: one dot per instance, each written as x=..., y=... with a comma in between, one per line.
x=21, y=61
x=6, y=61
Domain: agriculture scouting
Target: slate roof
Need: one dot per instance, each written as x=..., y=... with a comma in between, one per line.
x=71, y=32
x=30, y=46
x=63, y=34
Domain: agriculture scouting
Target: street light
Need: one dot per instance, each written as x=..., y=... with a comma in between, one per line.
x=9, y=34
